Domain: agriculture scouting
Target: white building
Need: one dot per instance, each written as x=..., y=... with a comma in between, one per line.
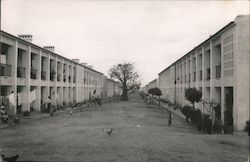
x=219, y=67
x=34, y=73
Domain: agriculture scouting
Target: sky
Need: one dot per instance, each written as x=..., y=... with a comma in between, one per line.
x=150, y=34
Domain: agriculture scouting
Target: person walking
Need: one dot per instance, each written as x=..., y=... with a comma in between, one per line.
x=170, y=118
x=50, y=110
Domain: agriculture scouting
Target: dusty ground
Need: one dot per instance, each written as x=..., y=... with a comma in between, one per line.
x=140, y=134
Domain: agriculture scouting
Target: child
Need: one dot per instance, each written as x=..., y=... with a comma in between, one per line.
x=170, y=118
x=49, y=107
x=4, y=115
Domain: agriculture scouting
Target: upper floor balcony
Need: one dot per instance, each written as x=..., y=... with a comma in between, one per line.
x=52, y=75
x=21, y=72
x=5, y=70
x=33, y=73
x=218, y=71
x=43, y=75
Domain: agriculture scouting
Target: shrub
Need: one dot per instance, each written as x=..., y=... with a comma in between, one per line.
x=247, y=127
x=187, y=111
x=26, y=113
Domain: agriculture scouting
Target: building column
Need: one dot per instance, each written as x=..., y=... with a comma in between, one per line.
x=191, y=71
x=211, y=72
x=37, y=103
x=26, y=94
x=203, y=75
x=13, y=51
x=222, y=103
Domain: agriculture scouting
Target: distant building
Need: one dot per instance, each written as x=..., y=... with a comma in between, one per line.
x=153, y=84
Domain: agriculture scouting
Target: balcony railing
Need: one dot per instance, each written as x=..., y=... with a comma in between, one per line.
x=21, y=72
x=218, y=71
x=208, y=73
x=33, y=73
x=43, y=75
x=5, y=70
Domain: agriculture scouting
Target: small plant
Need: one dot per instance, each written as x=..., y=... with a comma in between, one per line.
x=247, y=127
x=26, y=113
x=187, y=111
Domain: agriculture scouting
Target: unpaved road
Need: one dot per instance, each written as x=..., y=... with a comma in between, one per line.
x=141, y=134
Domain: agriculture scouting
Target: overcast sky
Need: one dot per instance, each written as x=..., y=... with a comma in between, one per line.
x=102, y=33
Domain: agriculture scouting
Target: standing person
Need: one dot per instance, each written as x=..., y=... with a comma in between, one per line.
x=1, y=98
x=12, y=105
x=49, y=106
x=170, y=118
x=94, y=97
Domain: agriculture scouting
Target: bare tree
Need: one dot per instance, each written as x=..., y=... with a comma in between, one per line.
x=127, y=76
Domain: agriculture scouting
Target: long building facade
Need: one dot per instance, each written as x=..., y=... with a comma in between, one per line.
x=219, y=67
x=153, y=84
x=29, y=74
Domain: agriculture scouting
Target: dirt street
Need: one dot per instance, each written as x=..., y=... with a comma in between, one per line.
x=141, y=134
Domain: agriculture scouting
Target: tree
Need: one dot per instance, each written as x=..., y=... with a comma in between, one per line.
x=127, y=76
x=193, y=95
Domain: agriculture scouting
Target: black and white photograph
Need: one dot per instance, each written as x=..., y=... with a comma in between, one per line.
x=124, y=80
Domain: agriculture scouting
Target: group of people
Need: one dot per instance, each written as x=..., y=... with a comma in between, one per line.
x=95, y=99
x=7, y=105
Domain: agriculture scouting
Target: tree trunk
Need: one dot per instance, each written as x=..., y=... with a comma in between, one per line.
x=124, y=96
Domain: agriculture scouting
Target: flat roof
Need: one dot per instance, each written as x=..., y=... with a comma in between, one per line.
x=229, y=25
x=49, y=51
